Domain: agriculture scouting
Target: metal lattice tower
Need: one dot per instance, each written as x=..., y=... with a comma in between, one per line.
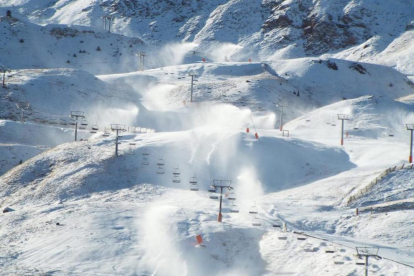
x=192, y=75
x=117, y=128
x=75, y=115
x=22, y=106
x=4, y=69
x=110, y=20
x=410, y=127
x=343, y=117
x=141, y=56
x=221, y=184
x=281, y=105
x=367, y=252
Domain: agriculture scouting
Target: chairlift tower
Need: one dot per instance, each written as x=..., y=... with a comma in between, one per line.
x=342, y=117
x=192, y=75
x=75, y=115
x=410, y=127
x=221, y=184
x=367, y=252
x=4, y=69
x=141, y=56
x=109, y=19
x=281, y=106
x=117, y=128
x=22, y=106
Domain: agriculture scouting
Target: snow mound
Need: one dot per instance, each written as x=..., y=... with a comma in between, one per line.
x=77, y=170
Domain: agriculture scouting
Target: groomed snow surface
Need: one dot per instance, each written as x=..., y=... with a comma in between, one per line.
x=79, y=210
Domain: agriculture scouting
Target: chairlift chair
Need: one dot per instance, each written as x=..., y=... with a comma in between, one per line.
x=95, y=128
x=256, y=221
x=145, y=161
x=176, y=172
x=132, y=143
x=63, y=122
x=106, y=134
x=277, y=225
x=160, y=162
x=253, y=209
x=231, y=196
x=309, y=248
x=145, y=152
x=234, y=208
x=301, y=238
x=338, y=260
x=83, y=124
x=330, y=250
x=176, y=179
x=213, y=196
x=160, y=170
x=283, y=238
x=72, y=122
x=391, y=133
x=193, y=180
x=212, y=189
x=193, y=186
x=193, y=183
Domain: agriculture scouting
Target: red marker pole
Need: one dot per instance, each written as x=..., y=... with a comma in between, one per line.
x=410, y=127
x=219, y=218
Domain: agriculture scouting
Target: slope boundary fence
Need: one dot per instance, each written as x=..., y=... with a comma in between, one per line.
x=364, y=190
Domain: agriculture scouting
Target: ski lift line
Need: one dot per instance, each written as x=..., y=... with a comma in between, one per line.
x=350, y=247
x=253, y=123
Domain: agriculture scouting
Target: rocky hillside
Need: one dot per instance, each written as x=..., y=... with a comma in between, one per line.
x=261, y=28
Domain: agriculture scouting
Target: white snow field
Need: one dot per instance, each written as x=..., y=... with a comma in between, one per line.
x=75, y=208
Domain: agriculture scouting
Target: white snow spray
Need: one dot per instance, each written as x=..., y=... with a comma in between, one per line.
x=161, y=256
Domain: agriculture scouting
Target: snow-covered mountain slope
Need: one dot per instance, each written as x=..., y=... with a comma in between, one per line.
x=258, y=28
x=74, y=208
x=303, y=84
x=19, y=143
x=396, y=186
x=58, y=46
x=49, y=175
x=48, y=96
